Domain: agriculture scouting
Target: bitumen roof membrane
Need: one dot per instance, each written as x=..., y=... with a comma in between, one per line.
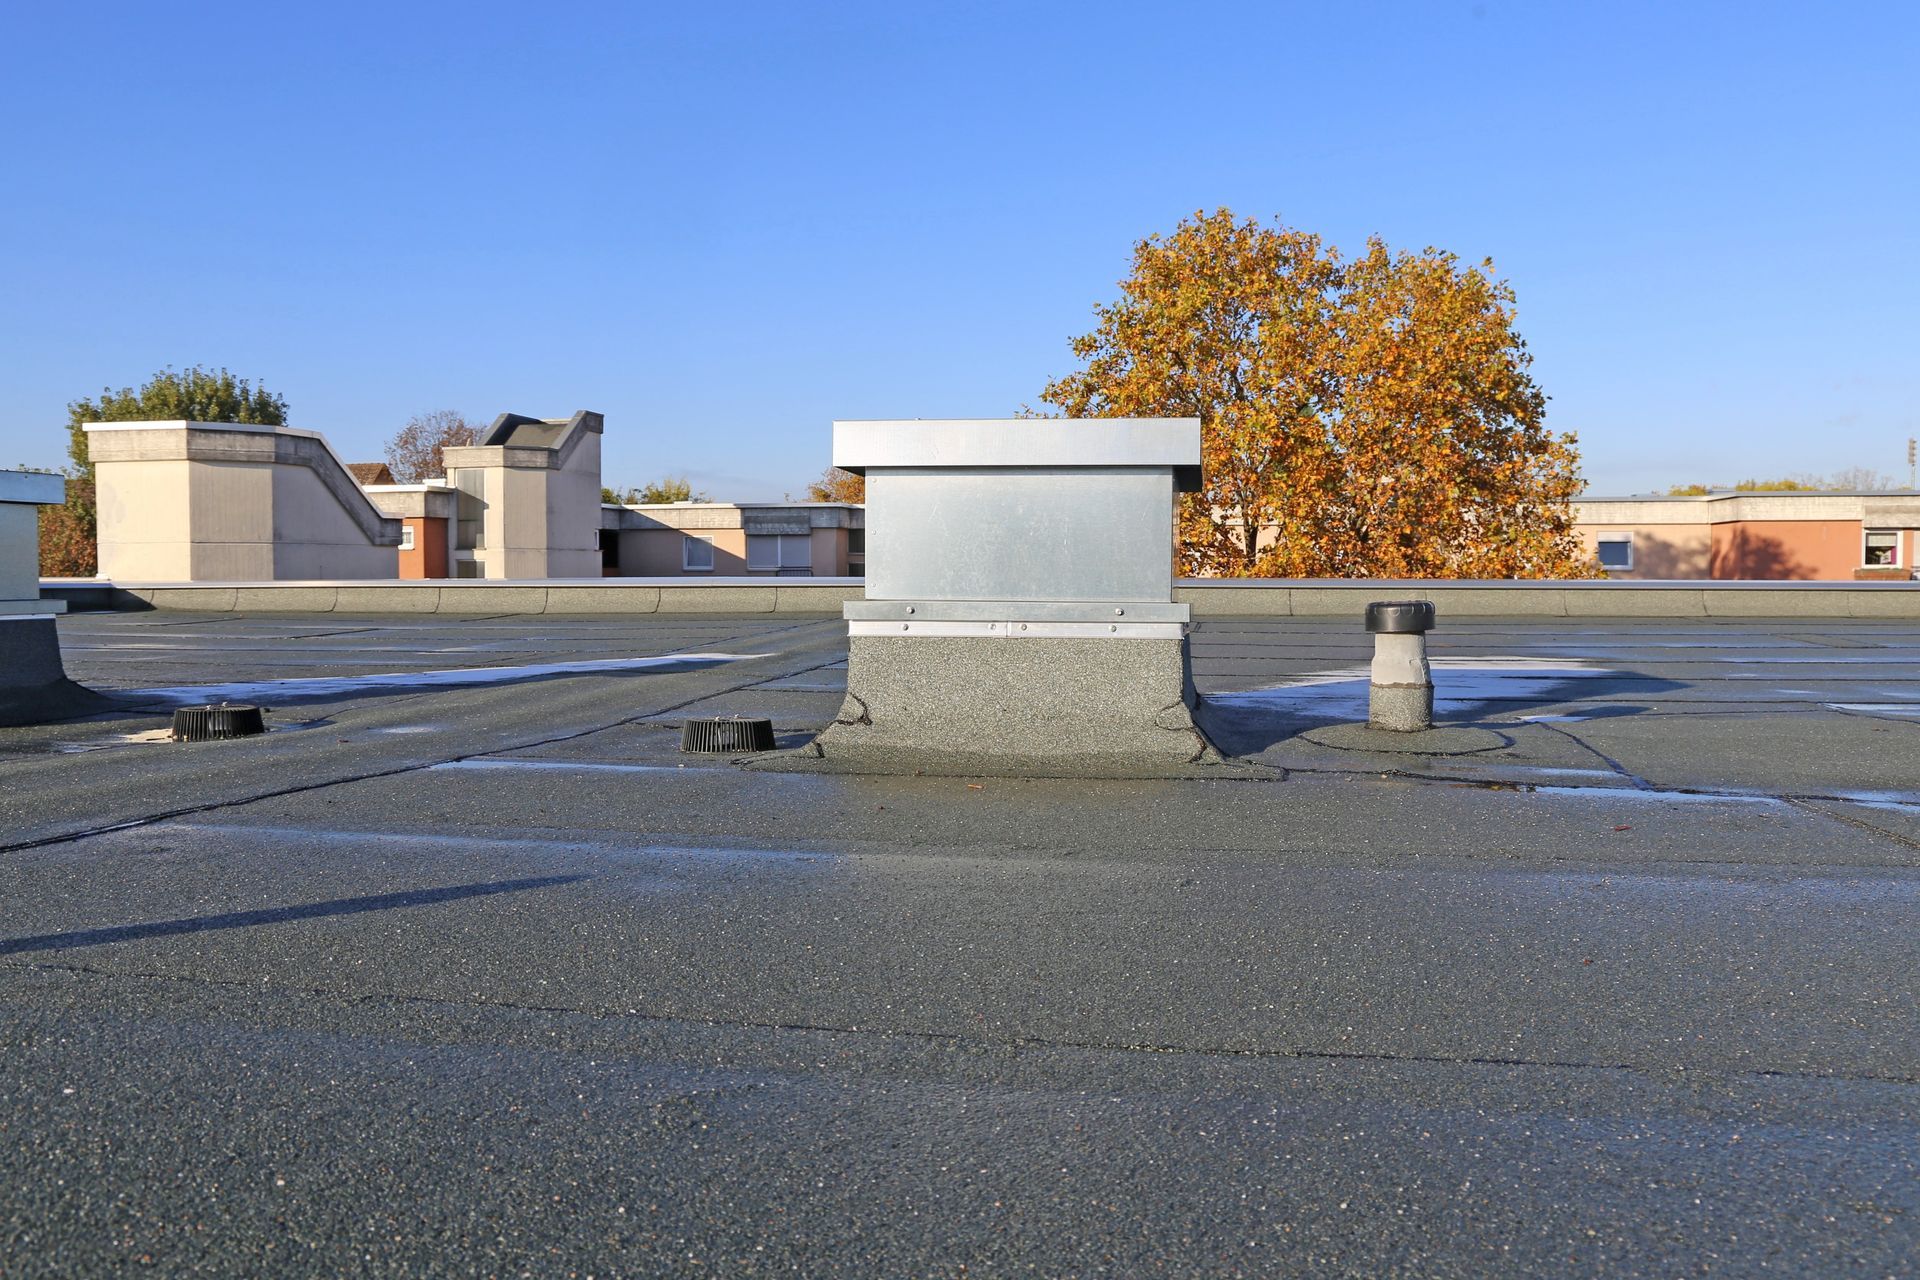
x=478, y=974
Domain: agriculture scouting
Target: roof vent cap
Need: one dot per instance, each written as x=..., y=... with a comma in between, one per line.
x=216, y=721
x=719, y=734
x=1400, y=617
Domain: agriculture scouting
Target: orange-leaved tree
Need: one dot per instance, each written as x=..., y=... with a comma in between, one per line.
x=1371, y=418
x=835, y=485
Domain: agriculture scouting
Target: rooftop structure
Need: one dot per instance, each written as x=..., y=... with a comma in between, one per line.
x=231, y=502
x=1019, y=613
x=465, y=968
x=33, y=682
x=529, y=498
x=234, y=502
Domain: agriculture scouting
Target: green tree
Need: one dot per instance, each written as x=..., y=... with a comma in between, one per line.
x=193, y=395
x=1849, y=479
x=665, y=489
x=68, y=533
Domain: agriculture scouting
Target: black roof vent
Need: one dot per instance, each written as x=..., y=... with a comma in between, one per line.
x=223, y=720
x=1400, y=617
x=727, y=733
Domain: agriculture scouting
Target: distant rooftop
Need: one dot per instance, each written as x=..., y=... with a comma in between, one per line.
x=1717, y=495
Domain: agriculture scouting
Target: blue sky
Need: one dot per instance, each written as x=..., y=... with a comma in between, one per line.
x=725, y=226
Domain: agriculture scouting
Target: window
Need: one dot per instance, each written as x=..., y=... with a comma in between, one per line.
x=696, y=554
x=856, y=542
x=406, y=537
x=470, y=523
x=1883, y=547
x=467, y=568
x=779, y=552
x=1616, y=550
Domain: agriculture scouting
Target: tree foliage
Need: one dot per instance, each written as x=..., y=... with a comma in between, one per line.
x=69, y=532
x=835, y=485
x=68, y=545
x=1847, y=479
x=195, y=394
x=1363, y=418
x=414, y=453
x=664, y=490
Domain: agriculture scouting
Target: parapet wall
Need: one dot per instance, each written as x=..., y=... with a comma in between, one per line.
x=1239, y=598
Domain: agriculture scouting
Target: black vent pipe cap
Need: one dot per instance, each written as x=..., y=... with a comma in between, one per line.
x=1400, y=617
x=715, y=734
x=221, y=720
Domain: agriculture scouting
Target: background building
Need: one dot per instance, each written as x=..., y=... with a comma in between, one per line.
x=734, y=539
x=230, y=502
x=1783, y=536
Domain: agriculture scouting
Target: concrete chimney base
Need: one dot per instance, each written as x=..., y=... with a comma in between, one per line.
x=33, y=683
x=994, y=706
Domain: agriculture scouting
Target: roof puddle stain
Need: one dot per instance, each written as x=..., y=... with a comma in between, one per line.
x=303, y=688
x=1459, y=685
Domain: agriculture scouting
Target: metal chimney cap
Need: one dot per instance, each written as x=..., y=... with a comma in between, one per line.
x=1400, y=617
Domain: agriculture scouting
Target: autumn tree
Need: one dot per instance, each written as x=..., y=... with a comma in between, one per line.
x=835, y=485
x=414, y=453
x=1364, y=418
x=68, y=533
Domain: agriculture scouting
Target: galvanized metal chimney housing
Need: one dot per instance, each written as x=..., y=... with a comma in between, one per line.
x=1019, y=615
x=33, y=682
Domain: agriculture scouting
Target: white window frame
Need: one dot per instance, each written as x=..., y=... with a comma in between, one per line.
x=1891, y=564
x=406, y=537
x=1618, y=538
x=687, y=543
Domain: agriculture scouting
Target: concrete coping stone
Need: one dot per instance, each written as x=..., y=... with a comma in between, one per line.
x=1202, y=598
x=503, y=598
x=286, y=599
x=603, y=600
x=382, y=599
x=716, y=598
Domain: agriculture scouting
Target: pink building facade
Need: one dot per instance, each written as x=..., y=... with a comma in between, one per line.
x=1780, y=537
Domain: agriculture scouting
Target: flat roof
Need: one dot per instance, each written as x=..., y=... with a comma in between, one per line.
x=467, y=923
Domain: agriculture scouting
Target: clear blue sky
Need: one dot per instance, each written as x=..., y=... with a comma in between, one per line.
x=725, y=226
